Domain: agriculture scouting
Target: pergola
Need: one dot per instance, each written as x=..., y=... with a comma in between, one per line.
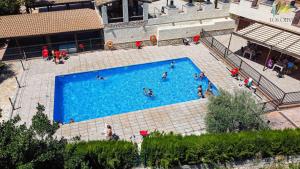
x=272, y=38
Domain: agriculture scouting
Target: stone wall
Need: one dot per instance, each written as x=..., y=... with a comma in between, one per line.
x=176, y=41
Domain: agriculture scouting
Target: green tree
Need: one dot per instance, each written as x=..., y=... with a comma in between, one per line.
x=233, y=112
x=9, y=7
x=31, y=147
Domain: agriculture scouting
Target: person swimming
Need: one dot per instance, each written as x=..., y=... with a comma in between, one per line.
x=196, y=76
x=164, y=75
x=172, y=65
x=100, y=77
x=148, y=92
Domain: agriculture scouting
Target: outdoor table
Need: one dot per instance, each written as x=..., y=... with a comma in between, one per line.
x=279, y=66
x=250, y=52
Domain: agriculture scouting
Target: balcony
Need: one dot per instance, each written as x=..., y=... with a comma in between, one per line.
x=262, y=12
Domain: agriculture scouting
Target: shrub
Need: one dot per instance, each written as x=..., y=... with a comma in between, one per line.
x=22, y=147
x=169, y=150
x=102, y=154
x=233, y=112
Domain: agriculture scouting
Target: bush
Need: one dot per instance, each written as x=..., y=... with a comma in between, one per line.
x=169, y=150
x=102, y=154
x=22, y=147
x=233, y=112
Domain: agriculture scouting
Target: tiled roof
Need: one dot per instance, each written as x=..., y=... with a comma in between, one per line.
x=49, y=23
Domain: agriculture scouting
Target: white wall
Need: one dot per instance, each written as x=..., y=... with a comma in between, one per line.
x=173, y=25
x=263, y=14
x=181, y=31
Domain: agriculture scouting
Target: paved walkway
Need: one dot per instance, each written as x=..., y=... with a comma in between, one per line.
x=185, y=118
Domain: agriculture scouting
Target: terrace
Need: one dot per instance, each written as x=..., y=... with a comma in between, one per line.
x=185, y=118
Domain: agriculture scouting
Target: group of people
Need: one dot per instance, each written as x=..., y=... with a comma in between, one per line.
x=149, y=92
x=57, y=56
x=201, y=76
x=288, y=64
x=208, y=91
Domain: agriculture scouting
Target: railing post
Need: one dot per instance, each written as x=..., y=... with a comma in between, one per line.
x=258, y=82
x=18, y=82
x=281, y=101
x=212, y=41
x=241, y=64
x=91, y=47
x=12, y=104
x=22, y=65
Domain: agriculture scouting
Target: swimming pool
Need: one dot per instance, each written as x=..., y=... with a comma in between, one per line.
x=81, y=96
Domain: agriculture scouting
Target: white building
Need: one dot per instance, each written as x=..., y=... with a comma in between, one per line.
x=127, y=21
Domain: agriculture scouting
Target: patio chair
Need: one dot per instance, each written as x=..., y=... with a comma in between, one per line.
x=186, y=41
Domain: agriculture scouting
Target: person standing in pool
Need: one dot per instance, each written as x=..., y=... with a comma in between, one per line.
x=200, y=94
x=201, y=76
x=164, y=75
x=172, y=65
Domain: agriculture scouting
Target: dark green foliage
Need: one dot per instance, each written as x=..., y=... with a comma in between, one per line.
x=233, y=112
x=21, y=147
x=41, y=124
x=102, y=154
x=169, y=150
x=8, y=7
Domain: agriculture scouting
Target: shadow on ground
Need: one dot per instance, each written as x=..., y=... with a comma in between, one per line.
x=6, y=71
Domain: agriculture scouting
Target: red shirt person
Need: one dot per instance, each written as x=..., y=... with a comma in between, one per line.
x=45, y=53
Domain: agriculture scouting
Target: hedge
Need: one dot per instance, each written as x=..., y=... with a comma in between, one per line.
x=101, y=154
x=170, y=150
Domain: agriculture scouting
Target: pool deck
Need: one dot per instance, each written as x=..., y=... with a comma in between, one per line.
x=184, y=118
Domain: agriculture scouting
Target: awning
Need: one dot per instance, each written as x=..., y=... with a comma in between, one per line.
x=279, y=40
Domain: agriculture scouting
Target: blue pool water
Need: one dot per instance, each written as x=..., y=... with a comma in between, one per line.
x=82, y=96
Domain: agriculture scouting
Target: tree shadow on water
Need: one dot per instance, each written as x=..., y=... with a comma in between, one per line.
x=6, y=71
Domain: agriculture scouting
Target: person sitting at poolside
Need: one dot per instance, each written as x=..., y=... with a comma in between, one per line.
x=172, y=65
x=72, y=121
x=234, y=72
x=100, y=77
x=201, y=76
x=248, y=82
x=109, y=132
x=164, y=75
x=208, y=93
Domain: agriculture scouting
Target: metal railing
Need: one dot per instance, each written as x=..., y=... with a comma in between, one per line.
x=276, y=95
x=24, y=52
